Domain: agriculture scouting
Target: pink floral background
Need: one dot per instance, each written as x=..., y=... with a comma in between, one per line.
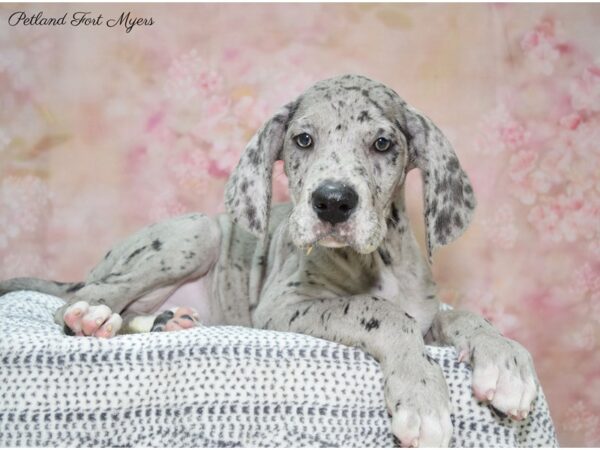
x=102, y=132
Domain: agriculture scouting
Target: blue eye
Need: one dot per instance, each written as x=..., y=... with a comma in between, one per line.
x=303, y=140
x=382, y=144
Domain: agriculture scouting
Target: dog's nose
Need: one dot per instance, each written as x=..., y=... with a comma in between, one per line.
x=334, y=201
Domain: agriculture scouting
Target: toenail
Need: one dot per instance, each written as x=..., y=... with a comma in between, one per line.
x=414, y=443
x=490, y=394
x=77, y=312
x=109, y=328
x=98, y=321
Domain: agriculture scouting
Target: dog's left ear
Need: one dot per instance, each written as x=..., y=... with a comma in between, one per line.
x=248, y=190
x=448, y=194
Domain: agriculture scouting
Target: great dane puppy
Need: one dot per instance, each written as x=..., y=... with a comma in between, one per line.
x=339, y=263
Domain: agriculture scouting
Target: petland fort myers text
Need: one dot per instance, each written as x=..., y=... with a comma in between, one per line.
x=80, y=18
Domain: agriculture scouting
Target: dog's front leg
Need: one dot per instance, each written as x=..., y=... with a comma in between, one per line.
x=503, y=371
x=415, y=390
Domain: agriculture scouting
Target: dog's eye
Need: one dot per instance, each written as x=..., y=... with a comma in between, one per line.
x=382, y=144
x=303, y=140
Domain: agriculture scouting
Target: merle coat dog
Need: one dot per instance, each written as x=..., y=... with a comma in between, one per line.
x=340, y=262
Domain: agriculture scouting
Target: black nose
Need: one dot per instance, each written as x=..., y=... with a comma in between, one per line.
x=334, y=201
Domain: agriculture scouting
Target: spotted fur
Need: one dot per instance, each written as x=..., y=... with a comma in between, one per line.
x=362, y=282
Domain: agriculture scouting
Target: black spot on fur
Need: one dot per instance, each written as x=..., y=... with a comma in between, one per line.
x=452, y=165
x=371, y=324
x=253, y=154
x=135, y=253
x=443, y=225
x=161, y=320
x=456, y=192
x=409, y=316
x=251, y=216
x=156, y=244
x=363, y=116
x=433, y=208
x=385, y=256
x=458, y=221
x=294, y=317
x=346, y=308
x=75, y=287
x=394, y=213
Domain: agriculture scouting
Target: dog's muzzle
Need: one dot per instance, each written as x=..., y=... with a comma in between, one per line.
x=334, y=201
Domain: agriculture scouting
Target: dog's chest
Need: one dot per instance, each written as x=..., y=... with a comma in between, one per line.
x=387, y=285
x=399, y=286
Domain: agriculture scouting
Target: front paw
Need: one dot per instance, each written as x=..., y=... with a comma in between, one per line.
x=420, y=407
x=84, y=319
x=503, y=374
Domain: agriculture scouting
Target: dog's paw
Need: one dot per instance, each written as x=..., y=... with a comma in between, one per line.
x=176, y=319
x=83, y=319
x=420, y=408
x=503, y=374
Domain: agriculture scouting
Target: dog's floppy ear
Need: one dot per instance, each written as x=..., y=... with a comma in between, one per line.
x=448, y=194
x=248, y=190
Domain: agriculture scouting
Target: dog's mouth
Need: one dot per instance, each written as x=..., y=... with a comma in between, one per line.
x=362, y=232
x=331, y=242
x=333, y=236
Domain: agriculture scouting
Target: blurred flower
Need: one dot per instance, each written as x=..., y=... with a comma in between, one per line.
x=521, y=163
x=587, y=279
x=501, y=228
x=584, y=338
x=24, y=202
x=189, y=77
x=585, y=90
x=542, y=46
x=500, y=132
x=482, y=299
x=580, y=420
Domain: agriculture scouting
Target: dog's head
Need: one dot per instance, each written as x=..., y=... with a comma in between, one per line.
x=347, y=144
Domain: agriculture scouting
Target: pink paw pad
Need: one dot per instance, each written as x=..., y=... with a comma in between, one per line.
x=85, y=320
x=177, y=319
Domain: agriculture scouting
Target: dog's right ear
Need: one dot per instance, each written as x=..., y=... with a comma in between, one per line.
x=248, y=190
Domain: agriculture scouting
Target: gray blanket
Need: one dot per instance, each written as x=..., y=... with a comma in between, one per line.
x=212, y=386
